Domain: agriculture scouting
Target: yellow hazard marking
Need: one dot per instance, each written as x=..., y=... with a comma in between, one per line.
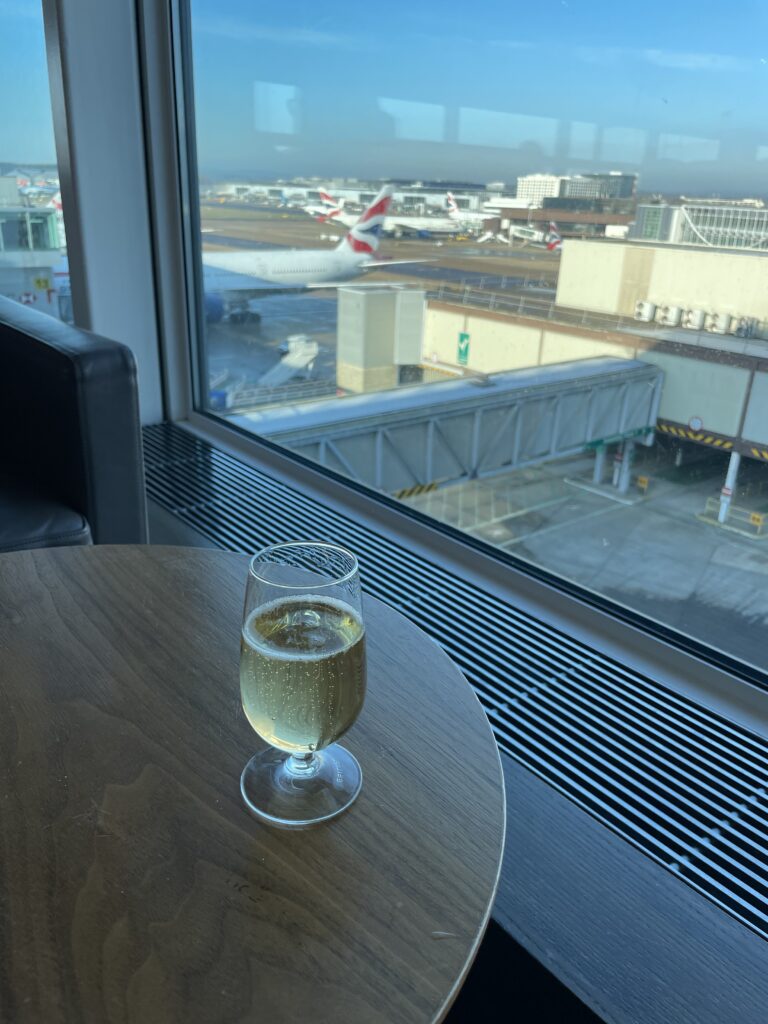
x=698, y=436
x=410, y=492
x=760, y=453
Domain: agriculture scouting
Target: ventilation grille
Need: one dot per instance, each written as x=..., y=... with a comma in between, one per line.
x=679, y=782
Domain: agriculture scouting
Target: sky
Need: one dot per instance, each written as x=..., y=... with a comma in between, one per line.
x=26, y=129
x=446, y=90
x=676, y=91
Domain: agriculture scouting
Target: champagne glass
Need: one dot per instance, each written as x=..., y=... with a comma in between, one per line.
x=302, y=681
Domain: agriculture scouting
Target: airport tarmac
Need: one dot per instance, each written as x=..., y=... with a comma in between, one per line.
x=654, y=556
x=230, y=227
x=247, y=351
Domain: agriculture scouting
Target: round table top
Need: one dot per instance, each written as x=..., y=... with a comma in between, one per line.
x=135, y=885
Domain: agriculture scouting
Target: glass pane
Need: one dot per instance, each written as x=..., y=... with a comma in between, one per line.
x=33, y=265
x=511, y=269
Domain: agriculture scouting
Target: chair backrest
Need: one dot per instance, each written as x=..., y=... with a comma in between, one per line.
x=69, y=421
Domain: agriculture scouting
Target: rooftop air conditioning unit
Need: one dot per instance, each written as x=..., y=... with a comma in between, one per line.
x=669, y=316
x=693, y=319
x=717, y=323
x=743, y=326
x=644, y=310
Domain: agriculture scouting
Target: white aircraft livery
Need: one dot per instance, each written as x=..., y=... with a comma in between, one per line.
x=257, y=273
x=468, y=217
x=397, y=224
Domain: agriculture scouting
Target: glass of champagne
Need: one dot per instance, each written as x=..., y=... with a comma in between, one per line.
x=302, y=681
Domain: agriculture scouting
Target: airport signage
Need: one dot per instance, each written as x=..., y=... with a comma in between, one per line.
x=462, y=355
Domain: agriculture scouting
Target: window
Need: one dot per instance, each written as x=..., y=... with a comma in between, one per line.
x=535, y=315
x=33, y=267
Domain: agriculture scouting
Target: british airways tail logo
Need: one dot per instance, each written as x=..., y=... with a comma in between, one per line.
x=358, y=237
x=364, y=236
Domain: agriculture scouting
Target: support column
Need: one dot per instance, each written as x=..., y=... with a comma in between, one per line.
x=617, y=465
x=626, y=467
x=597, y=476
x=727, y=491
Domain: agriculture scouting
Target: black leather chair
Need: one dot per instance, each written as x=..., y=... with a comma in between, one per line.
x=71, y=467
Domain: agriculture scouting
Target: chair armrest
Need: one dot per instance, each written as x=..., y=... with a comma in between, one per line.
x=69, y=417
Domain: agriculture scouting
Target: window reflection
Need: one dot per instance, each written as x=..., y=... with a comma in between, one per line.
x=275, y=108
x=412, y=120
x=498, y=129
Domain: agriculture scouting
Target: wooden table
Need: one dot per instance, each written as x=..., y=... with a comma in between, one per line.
x=135, y=886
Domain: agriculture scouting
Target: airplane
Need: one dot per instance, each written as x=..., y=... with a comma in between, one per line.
x=233, y=279
x=395, y=224
x=327, y=208
x=468, y=217
x=550, y=239
x=286, y=202
x=553, y=239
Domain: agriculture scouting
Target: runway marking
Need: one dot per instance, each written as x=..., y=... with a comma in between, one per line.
x=561, y=526
x=520, y=512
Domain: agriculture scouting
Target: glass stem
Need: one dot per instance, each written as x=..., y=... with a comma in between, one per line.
x=301, y=765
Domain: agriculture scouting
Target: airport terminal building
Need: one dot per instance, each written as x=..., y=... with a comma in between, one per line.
x=728, y=227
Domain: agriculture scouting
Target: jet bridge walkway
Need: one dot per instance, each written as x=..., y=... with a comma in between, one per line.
x=430, y=434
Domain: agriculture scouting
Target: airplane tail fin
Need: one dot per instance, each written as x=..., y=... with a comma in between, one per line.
x=364, y=237
x=453, y=206
x=329, y=214
x=327, y=200
x=553, y=239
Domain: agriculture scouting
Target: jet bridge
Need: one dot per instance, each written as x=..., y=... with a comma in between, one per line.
x=430, y=434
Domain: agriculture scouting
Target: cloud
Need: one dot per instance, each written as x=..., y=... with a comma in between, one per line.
x=695, y=61
x=233, y=28
x=463, y=43
x=614, y=56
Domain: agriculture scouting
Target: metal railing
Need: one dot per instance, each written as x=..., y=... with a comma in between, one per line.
x=298, y=391
x=750, y=522
x=539, y=306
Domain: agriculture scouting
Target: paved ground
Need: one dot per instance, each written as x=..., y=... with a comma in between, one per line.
x=230, y=227
x=654, y=556
x=247, y=351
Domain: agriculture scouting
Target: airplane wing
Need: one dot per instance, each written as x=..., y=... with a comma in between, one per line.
x=356, y=283
x=352, y=282
x=390, y=263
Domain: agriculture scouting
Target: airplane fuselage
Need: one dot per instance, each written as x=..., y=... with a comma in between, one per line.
x=397, y=225
x=290, y=267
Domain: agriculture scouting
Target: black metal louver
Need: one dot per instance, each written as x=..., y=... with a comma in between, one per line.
x=678, y=781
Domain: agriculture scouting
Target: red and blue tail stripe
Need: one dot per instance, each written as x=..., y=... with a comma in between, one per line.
x=365, y=235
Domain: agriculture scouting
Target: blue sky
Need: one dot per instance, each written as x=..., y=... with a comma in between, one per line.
x=26, y=131
x=448, y=90
x=675, y=90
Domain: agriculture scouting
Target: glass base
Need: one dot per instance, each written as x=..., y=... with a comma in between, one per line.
x=291, y=792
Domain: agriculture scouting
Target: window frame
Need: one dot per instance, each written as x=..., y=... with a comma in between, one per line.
x=168, y=95
x=152, y=54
